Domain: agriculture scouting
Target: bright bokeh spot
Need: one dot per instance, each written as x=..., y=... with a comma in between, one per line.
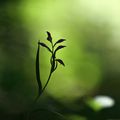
x=104, y=101
x=100, y=102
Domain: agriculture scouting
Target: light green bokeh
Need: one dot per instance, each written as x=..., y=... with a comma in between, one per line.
x=67, y=19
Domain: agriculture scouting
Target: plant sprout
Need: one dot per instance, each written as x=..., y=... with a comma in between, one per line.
x=53, y=61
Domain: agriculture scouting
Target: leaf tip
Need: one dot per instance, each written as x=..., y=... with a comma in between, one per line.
x=49, y=37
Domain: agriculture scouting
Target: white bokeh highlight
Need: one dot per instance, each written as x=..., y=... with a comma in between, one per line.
x=104, y=101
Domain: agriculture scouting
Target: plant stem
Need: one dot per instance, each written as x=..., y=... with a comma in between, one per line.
x=52, y=60
x=47, y=82
x=43, y=87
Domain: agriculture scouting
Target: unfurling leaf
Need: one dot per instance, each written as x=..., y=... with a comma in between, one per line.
x=59, y=41
x=60, y=61
x=38, y=72
x=44, y=45
x=59, y=47
x=49, y=38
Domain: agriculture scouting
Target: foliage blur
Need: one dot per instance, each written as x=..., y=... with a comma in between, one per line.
x=91, y=29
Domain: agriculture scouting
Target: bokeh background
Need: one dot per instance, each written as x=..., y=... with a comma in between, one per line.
x=92, y=57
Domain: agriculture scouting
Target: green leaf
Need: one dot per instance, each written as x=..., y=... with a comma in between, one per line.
x=38, y=72
x=59, y=41
x=44, y=45
x=49, y=38
x=60, y=61
x=59, y=47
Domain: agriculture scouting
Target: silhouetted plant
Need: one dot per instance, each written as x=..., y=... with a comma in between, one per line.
x=54, y=64
x=53, y=61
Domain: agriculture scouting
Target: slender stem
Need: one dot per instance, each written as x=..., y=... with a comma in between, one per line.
x=52, y=65
x=52, y=47
x=50, y=71
x=47, y=82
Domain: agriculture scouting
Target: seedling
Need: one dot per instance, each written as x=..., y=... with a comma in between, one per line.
x=54, y=64
x=53, y=61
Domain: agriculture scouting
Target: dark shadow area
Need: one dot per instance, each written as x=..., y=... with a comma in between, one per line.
x=15, y=77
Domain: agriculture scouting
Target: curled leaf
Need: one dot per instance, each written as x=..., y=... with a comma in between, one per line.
x=59, y=41
x=53, y=63
x=60, y=61
x=44, y=45
x=38, y=72
x=59, y=47
x=49, y=38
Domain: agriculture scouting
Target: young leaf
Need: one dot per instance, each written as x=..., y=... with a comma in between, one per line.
x=44, y=45
x=60, y=61
x=59, y=41
x=49, y=38
x=38, y=72
x=59, y=47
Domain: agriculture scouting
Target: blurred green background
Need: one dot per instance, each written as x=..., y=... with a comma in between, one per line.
x=92, y=56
